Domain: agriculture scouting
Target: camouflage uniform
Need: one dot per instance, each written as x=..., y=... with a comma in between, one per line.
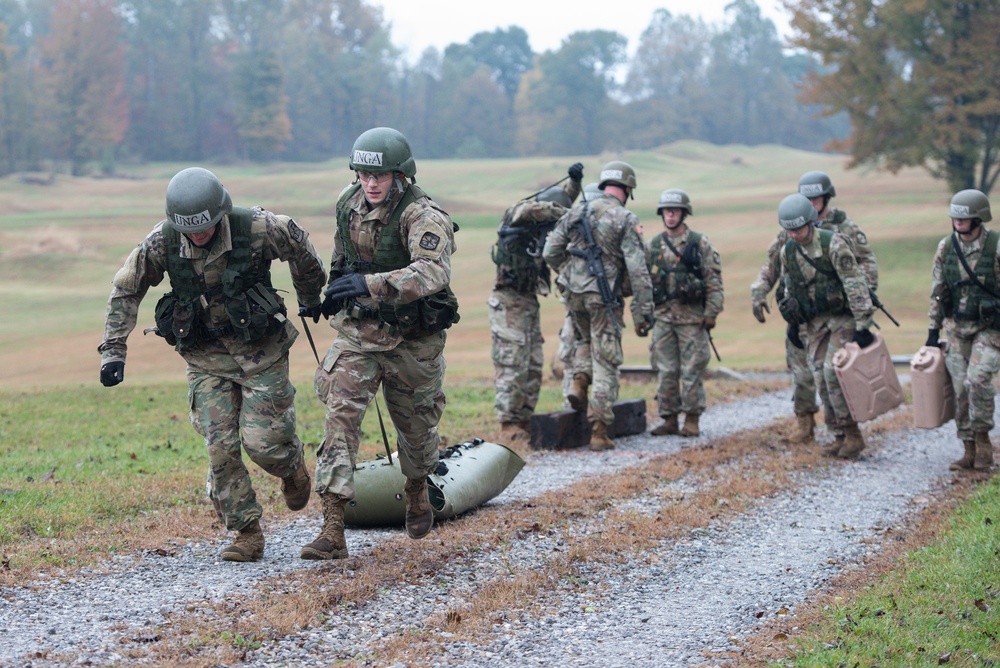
x=826, y=333
x=598, y=345
x=797, y=359
x=973, y=352
x=515, y=325
x=239, y=392
x=369, y=352
x=679, y=349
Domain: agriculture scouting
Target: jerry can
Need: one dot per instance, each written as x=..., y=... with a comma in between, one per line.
x=868, y=379
x=933, y=393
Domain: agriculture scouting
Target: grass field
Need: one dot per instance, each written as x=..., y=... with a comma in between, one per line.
x=60, y=246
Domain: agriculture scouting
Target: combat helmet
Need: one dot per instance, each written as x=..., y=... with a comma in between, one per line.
x=674, y=198
x=815, y=184
x=795, y=211
x=970, y=204
x=383, y=150
x=196, y=200
x=618, y=172
x=555, y=194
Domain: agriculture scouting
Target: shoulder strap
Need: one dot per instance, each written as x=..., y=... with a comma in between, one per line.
x=825, y=236
x=989, y=251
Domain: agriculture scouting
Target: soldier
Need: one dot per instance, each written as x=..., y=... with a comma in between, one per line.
x=818, y=189
x=515, y=326
x=827, y=296
x=686, y=272
x=229, y=325
x=615, y=252
x=965, y=293
x=389, y=300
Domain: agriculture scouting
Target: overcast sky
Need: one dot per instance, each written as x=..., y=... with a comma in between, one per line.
x=418, y=24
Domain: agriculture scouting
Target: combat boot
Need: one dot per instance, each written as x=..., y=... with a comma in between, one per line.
x=296, y=487
x=577, y=396
x=833, y=449
x=690, y=427
x=854, y=442
x=330, y=544
x=515, y=431
x=984, y=452
x=805, y=429
x=967, y=460
x=599, y=439
x=419, y=516
x=248, y=546
x=667, y=427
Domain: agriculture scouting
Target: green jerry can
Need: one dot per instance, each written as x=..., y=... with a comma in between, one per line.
x=467, y=476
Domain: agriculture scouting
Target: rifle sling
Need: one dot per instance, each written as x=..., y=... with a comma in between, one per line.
x=965, y=264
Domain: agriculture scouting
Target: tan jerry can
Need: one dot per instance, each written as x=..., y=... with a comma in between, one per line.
x=933, y=393
x=867, y=379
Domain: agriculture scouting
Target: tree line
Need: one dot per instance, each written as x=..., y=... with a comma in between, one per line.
x=892, y=83
x=92, y=83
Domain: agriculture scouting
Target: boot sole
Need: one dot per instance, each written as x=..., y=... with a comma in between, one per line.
x=242, y=558
x=319, y=555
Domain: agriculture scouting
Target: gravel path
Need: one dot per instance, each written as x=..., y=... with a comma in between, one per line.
x=666, y=609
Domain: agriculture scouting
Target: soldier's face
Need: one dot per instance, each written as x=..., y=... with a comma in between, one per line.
x=801, y=235
x=672, y=218
x=817, y=203
x=964, y=225
x=203, y=238
x=376, y=185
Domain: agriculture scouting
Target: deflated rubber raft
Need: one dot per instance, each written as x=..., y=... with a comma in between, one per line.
x=467, y=476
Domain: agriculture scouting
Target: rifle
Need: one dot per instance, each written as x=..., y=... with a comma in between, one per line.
x=712, y=343
x=878, y=304
x=595, y=265
x=540, y=229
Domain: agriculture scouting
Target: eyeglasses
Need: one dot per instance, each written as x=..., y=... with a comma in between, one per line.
x=377, y=177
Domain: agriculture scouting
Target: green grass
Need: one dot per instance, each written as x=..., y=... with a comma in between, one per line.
x=942, y=606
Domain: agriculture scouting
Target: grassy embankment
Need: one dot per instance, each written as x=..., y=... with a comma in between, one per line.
x=83, y=462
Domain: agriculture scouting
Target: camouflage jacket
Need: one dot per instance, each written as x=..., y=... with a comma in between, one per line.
x=273, y=237
x=663, y=265
x=973, y=252
x=428, y=234
x=622, y=250
x=859, y=302
x=523, y=215
x=835, y=221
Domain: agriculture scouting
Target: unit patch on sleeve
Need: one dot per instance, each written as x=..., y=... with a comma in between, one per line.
x=295, y=232
x=846, y=263
x=429, y=241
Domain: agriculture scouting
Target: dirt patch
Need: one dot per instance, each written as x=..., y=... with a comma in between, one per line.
x=52, y=240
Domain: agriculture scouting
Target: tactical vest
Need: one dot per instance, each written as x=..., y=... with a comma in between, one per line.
x=416, y=319
x=516, y=255
x=689, y=284
x=962, y=298
x=796, y=305
x=250, y=301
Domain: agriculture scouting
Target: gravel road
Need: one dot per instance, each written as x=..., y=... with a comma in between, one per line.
x=679, y=601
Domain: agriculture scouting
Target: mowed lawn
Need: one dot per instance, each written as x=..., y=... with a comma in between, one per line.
x=60, y=246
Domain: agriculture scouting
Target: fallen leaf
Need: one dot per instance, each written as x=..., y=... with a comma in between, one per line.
x=780, y=636
x=981, y=604
x=944, y=658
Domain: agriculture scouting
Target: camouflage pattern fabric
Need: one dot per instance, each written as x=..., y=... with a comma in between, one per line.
x=836, y=220
x=826, y=334
x=566, y=352
x=257, y=413
x=598, y=347
x=411, y=376
x=972, y=353
x=518, y=358
x=239, y=392
x=803, y=381
x=679, y=348
x=680, y=355
x=367, y=353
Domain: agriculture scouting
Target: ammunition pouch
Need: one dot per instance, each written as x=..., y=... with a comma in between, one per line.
x=793, y=311
x=253, y=312
x=426, y=316
x=164, y=314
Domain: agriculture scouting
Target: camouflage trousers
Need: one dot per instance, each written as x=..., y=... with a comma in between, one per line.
x=518, y=358
x=598, y=351
x=411, y=376
x=803, y=382
x=680, y=355
x=973, y=362
x=565, y=353
x=824, y=337
x=256, y=413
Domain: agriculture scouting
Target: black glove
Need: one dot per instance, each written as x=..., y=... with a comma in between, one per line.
x=330, y=307
x=576, y=171
x=314, y=312
x=932, y=338
x=645, y=326
x=346, y=287
x=863, y=338
x=792, y=332
x=112, y=373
